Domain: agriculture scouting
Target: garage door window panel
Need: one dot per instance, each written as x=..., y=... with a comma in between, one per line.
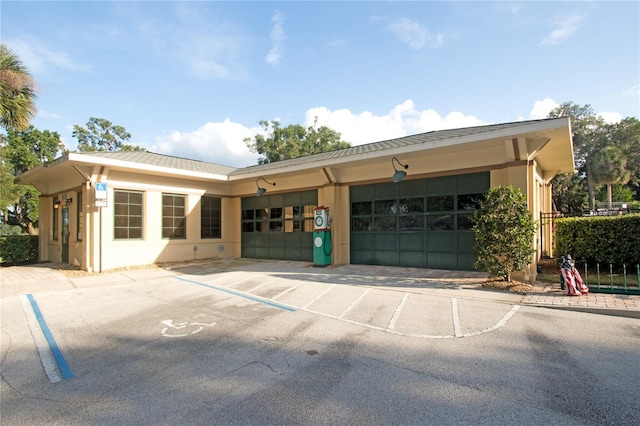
x=386, y=224
x=287, y=222
x=440, y=203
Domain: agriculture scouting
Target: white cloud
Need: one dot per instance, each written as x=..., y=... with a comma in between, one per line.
x=541, y=109
x=206, y=45
x=632, y=91
x=222, y=142
x=38, y=58
x=47, y=114
x=277, y=36
x=414, y=34
x=404, y=119
x=219, y=143
x=564, y=29
x=610, y=117
x=335, y=42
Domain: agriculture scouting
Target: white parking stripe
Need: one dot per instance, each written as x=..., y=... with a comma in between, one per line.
x=455, y=315
x=391, y=327
x=261, y=285
x=354, y=304
x=240, y=281
x=396, y=314
x=319, y=296
x=289, y=290
x=496, y=326
x=46, y=357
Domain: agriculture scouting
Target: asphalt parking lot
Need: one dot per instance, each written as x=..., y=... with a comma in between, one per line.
x=143, y=346
x=191, y=299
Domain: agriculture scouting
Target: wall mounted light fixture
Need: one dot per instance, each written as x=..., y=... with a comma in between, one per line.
x=56, y=204
x=399, y=174
x=260, y=192
x=68, y=201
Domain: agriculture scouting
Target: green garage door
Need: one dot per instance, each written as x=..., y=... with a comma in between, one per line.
x=419, y=223
x=279, y=226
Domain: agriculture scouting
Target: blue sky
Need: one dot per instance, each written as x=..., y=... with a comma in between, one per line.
x=192, y=79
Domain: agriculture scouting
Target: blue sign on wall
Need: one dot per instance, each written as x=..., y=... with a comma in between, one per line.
x=101, y=190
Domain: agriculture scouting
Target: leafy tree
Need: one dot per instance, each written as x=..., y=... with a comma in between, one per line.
x=504, y=230
x=31, y=147
x=589, y=135
x=570, y=193
x=293, y=141
x=20, y=203
x=21, y=151
x=101, y=135
x=17, y=91
x=608, y=166
x=591, y=138
x=621, y=193
x=625, y=135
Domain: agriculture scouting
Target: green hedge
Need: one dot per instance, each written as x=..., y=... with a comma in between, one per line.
x=18, y=249
x=607, y=239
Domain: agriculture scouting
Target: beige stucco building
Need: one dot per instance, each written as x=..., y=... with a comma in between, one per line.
x=102, y=211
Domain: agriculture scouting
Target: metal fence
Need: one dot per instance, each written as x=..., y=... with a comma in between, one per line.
x=614, y=280
x=607, y=278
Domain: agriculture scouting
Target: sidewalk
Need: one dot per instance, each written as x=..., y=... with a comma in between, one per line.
x=551, y=296
x=15, y=280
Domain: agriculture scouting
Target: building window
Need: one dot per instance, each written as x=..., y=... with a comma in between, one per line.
x=287, y=218
x=128, y=217
x=174, y=217
x=79, y=215
x=210, y=217
x=56, y=209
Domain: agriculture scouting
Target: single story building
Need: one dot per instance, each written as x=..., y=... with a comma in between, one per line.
x=107, y=210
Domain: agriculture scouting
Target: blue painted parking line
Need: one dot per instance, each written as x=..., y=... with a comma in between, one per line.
x=240, y=294
x=63, y=366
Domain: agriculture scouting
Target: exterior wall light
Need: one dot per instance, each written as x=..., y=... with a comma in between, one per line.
x=399, y=174
x=260, y=192
x=68, y=201
x=56, y=204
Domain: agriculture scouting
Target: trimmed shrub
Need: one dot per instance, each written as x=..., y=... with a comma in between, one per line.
x=6, y=229
x=599, y=239
x=18, y=249
x=504, y=230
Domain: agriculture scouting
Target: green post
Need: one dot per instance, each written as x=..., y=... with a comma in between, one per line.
x=611, y=275
x=586, y=274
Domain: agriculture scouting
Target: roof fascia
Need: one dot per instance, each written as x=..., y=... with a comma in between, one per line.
x=101, y=161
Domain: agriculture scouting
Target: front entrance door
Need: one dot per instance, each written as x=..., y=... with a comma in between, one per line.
x=65, y=234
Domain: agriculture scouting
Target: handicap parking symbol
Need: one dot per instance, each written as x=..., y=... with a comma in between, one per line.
x=182, y=329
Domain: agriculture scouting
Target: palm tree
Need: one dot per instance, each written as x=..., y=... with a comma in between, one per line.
x=609, y=166
x=17, y=92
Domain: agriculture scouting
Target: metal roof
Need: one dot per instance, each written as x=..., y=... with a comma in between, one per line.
x=160, y=160
x=455, y=139
x=429, y=139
